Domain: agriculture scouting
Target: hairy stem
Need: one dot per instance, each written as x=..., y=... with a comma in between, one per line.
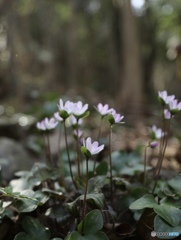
x=86, y=187
x=78, y=155
x=110, y=163
x=49, y=151
x=99, y=134
x=68, y=155
x=164, y=145
x=144, y=178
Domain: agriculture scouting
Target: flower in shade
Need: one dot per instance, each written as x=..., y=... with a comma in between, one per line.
x=115, y=117
x=74, y=121
x=153, y=144
x=174, y=106
x=103, y=109
x=164, y=98
x=65, y=109
x=47, y=124
x=155, y=133
x=167, y=114
x=90, y=148
x=79, y=109
x=77, y=134
x=57, y=117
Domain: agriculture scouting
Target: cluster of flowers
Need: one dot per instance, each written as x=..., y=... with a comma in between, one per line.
x=155, y=134
x=171, y=107
x=75, y=111
x=170, y=104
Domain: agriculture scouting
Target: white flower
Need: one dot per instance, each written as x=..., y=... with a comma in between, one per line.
x=92, y=147
x=115, y=117
x=79, y=109
x=74, y=121
x=174, y=106
x=57, y=117
x=78, y=133
x=47, y=124
x=167, y=114
x=103, y=109
x=163, y=95
x=68, y=106
x=155, y=133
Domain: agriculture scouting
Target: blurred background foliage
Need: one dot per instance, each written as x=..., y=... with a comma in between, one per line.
x=113, y=51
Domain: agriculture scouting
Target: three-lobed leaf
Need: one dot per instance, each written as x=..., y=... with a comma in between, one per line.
x=34, y=230
x=163, y=227
x=169, y=213
x=92, y=223
x=147, y=201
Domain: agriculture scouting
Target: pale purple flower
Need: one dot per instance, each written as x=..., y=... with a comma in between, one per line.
x=162, y=94
x=79, y=109
x=47, y=124
x=153, y=144
x=68, y=106
x=167, y=114
x=78, y=133
x=74, y=121
x=57, y=117
x=155, y=133
x=174, y=105
x=165, y=97
x=41, y=125
x=115, y=117
x=92, y=147
x=103, y=109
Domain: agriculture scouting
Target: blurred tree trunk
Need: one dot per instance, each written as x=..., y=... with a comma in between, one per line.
x=72, y=48
x=131, y=90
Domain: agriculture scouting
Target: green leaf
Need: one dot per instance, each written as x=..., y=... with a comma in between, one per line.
x=161, y=226
x=170, y=214
x=41, y=197
x=20, y=184
x=102, y=168
x=96, y=183
x=74, y=236
x=42, y=172
x=127, y=164
x=7, y=190
x=92, y=223
x=34, y=230
x=175, y=184
x=171, y=202
x=95, y=199
x=147, y=201
x=26, y=205
x=23, y=236
x=97, y=236
x=27, y=202
x=56, y=239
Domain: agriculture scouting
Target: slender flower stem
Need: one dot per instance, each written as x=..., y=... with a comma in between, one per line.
x=59, y=154
x=45, y=148
x=68, y=155
x=49, y=151
x=162, y=140
x=86, y=187
x=165, y=140
x=99, y=134
x=78, y=155
x=144, y=178
x=100, y=128
x=110, y=163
